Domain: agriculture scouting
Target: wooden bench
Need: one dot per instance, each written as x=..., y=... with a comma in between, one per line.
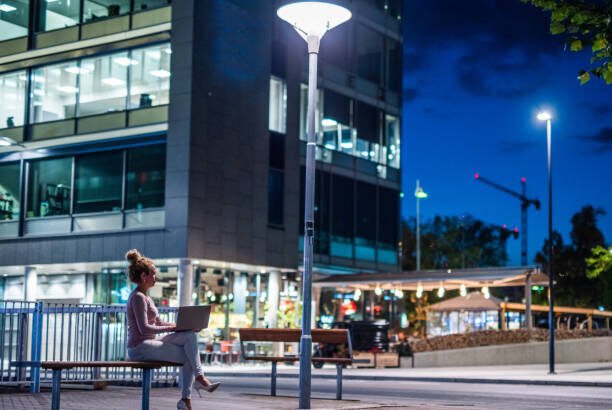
x=332, y=336
x=146, y=367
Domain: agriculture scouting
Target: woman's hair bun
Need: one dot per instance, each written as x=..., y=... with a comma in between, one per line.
x=132, y=256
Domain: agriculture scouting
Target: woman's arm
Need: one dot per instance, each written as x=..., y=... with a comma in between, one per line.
x=160, y=322
x=139, y=306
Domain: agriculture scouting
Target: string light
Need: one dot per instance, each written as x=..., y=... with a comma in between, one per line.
x=357, y=295
x=441, y=290
x=463, y=290
x=419, y=292
x=378, y=291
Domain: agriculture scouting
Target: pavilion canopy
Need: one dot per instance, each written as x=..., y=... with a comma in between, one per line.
x=433, y=279
x=475, y=301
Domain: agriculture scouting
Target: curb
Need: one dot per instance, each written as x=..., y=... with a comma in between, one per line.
x=422, y=379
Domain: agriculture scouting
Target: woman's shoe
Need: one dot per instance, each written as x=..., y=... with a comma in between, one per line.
x=181, y=405
x=210, y=387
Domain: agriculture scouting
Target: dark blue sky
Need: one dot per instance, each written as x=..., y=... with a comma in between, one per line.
x=475, y=75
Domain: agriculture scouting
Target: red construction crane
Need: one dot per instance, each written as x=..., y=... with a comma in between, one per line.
x=525, y=202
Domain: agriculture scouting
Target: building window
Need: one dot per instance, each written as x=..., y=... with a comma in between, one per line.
x=54, y=92
x=49, y=188
x=321, y=212
x=12, y=98
x=277, y=120
x=337, y=134
x=99, y=9
x=9, y=191
x=141, y=5
x=146, y=177
x=368, y=131
x=275, y=196
x=365, y=238
x=388, y=219
x=342, y=225
x=54, y=15
x=14, y=19
x=149, y=76
x=369, y=53
x=98, y=182
x=102, y=84
x=392, y=141
x=394, y=65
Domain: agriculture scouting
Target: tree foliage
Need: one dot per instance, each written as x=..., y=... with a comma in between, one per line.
x=585, y=24
x=573, y=286
x=454, y=242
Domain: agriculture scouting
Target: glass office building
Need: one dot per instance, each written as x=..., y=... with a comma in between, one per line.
x=178, y=128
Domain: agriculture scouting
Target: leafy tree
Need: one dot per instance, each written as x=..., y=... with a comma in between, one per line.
x=599, y=266
x=569, y=262
x=454, y=242
x=585, y=24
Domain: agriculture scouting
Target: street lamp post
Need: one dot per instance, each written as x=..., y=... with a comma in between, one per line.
x=419, y=194
x=311, y=19
x=544, y=116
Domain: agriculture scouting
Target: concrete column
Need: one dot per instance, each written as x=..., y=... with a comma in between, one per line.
x=240, y=292
x=184, y=282
x=30, y=283
x=274, y=282
x=257, y=296
x=528, y=302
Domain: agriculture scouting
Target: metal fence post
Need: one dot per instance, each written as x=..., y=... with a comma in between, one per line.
x=37, y=322
x=97, y=343
x=22, y=341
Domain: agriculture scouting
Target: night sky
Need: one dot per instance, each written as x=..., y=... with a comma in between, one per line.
x=475, y=75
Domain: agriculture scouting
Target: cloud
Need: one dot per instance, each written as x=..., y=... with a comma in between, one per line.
x=603, y=138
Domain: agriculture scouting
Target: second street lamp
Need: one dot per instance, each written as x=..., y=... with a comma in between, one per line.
x=418, y=194
x=311, y=19
x=544, y=116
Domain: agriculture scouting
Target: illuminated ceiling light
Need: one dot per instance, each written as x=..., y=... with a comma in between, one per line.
x=544, y=116
x=347, y=145
x=328, y=122
x=124, y=61
x=112, y=81
x=154, y=54
x=330, y=146
x=7, y=142
x=78, y=70
x=6, y=8
x=160, y=73
x=68, y=89
x=463, y=290
x=168, y=50
x=378, y=291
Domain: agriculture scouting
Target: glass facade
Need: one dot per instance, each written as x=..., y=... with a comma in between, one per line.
x=149, y=75
x=14, y=16
x=146, y=177
x=53, y=15
x=277, y=120
x=49, y=188
x=99, y=9
x=54, y=92
x=98, y=182
x=9, y=191
x=102, y=84
x=12, y=99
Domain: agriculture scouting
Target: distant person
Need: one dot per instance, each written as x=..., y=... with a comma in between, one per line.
x=144, y=323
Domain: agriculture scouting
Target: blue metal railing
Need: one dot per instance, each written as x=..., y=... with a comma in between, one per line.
x=31, y=332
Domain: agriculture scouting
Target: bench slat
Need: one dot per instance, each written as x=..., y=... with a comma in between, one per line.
x=133, y=364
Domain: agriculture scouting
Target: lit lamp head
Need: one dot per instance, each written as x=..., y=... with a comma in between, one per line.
x=419, y=193
x=544, y=116
x=313, y=18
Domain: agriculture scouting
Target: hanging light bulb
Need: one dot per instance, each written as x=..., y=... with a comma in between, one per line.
x=463, y=290
x=209, y=293
x=441, y=291
x=213, y=298
x=419, y=291
x=378, y=291
x=485, y=292
x=399, y=293
x=357, y=295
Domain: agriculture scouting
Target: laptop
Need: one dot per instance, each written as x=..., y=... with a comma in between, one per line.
x=192, y=317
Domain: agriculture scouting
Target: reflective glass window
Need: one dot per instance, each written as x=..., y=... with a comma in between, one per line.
x=365, y=238
x=9, y=191
x=98, y=182
x=12, y=99
x=99, y=9
x=321, y=212
x=146, y=177
x=54, y=91
x=58, y=14
x=335, y=48
x=392, y=140
x=394, y=65
x=149, y=76
x=277, y=120
x=103, y=84
x=13, y=19
x=49, y=188
x=277, y=151
x=388, y=221
x=369, y=53
x=304, y=111
x=141, y=5
x=342, y=224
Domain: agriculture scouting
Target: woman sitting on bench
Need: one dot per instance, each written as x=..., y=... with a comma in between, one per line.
x=144, y=323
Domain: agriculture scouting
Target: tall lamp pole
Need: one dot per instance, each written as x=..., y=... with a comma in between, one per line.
x=545, y=116
x=311, y=20
x=418, y=194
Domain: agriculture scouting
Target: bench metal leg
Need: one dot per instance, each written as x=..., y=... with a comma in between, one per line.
x=55, y=389
x=146, y=388
x=338, y=382
x=273, y=380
